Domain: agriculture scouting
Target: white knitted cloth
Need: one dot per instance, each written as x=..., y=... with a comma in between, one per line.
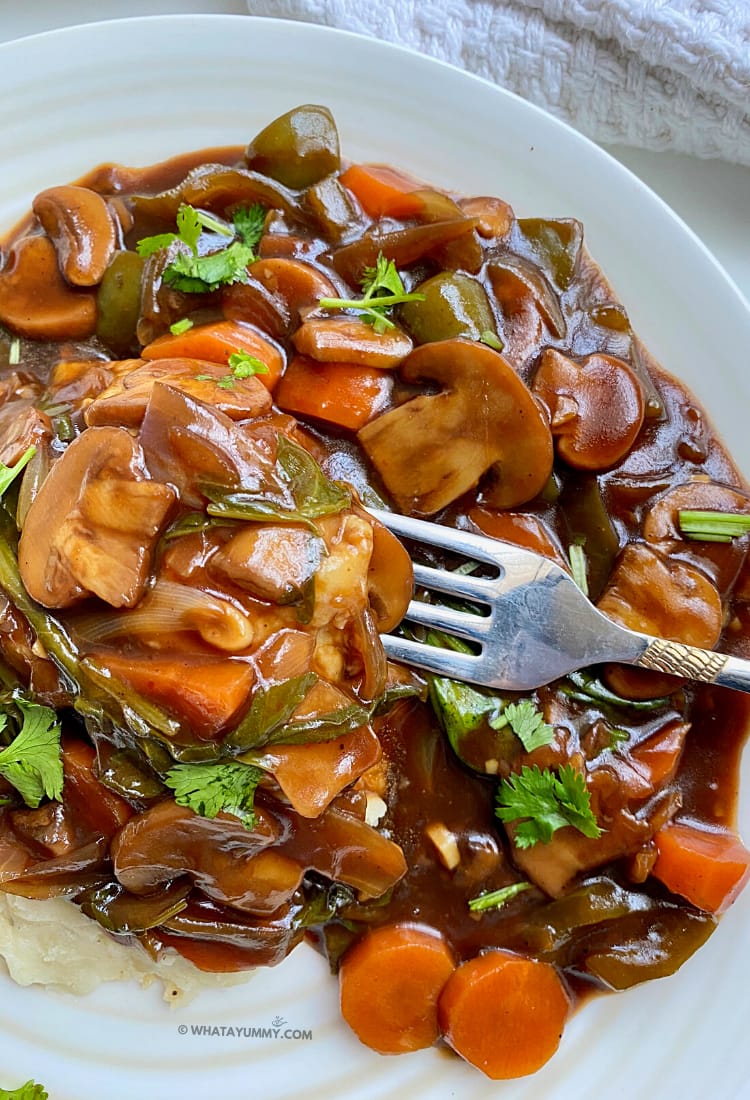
x=660, y=74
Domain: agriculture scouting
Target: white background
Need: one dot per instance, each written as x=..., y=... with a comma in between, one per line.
x=713, y=198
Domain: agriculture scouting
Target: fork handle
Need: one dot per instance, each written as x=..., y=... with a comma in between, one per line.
x=695, y=664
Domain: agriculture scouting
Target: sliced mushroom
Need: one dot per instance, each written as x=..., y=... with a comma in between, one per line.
x=93, y=525
x=312, y=775
x=299, y=285
x=218, y=854
x=661, y=527
x=349, y=340
x=526, y=299
x=79, y=223
x=274, y=562
x=667, y=598
x=191, y=445
x=390, y=580
x=124, y=401
x=494, y=216
x=432, y=449
x=35, y=300
x=596, y=407
x=520, y=529
x=22, y=425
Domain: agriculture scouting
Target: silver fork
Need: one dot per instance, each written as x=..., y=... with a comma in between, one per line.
x=538, y=625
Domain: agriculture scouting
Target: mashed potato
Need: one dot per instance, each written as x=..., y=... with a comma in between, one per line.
x=52, y=943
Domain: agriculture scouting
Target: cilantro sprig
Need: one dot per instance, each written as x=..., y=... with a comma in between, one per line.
x=526, y=722
x=241, y=365
x=211, y=789
x=543, y=801
x=31, y=762
x=496, y=899
x=194, y=273
x=28, y=1091
x=8, y=474
x=382, y=289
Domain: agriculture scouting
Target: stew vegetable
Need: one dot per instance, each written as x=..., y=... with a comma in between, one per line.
x=209, y=368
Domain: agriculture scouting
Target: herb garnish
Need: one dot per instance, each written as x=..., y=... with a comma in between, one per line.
x=496, y=899
x=713, y=526
x=526, y=722
x=31, y=762
x=210, y=789
x=382, y=290
x=8, y=474
x=543, y=802
x=199, y=274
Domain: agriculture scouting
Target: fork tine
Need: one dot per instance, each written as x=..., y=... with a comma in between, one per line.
x=435, y=534
x=455, y=584
x=464, y=624
x=443, y=662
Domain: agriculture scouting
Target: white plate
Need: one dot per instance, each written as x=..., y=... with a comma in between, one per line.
x=139, y=90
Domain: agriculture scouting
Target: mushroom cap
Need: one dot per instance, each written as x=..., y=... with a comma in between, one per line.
x=596, y=407
x=79, y=223
x=93, y=524
x=35, y=300
x=432, y=449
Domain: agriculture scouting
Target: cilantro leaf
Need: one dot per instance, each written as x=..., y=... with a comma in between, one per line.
x=8, y=474
x=382, y=290
x=249, y=222
x=244, y=365
x=210, y=789
x=31, y=762
x=195, y=274
x=496, y=899
x=381, y=279
x=203, y=274
x=29, y=1091
x=527, y=723
x=544, y=802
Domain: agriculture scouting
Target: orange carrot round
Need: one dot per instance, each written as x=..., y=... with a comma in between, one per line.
x=215, y=342
x=390, y=981
x=504, y=1013
x=339, y=393
x=708, y=868
x=384, y=191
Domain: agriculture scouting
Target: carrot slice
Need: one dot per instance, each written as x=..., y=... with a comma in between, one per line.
x=504, y=1013
x=382, y=191
x=338, y=393
x=206, y=694
x=390, y=981
x=708, y=868
x=215, y=342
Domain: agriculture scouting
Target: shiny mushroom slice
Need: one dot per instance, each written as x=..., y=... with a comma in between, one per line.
x=663, y=597
x=349, y=340
x=661, y=527
x=596, y=407
x=81, y=227
x=94, y=523
x=432, y=449
x=35, y=300
x=124, y=401
x=274, y=562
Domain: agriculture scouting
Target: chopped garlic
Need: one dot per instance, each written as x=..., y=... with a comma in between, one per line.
x=446, y=844
x=376, y=808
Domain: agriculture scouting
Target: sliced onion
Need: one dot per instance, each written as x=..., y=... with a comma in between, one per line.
x=169, y=607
